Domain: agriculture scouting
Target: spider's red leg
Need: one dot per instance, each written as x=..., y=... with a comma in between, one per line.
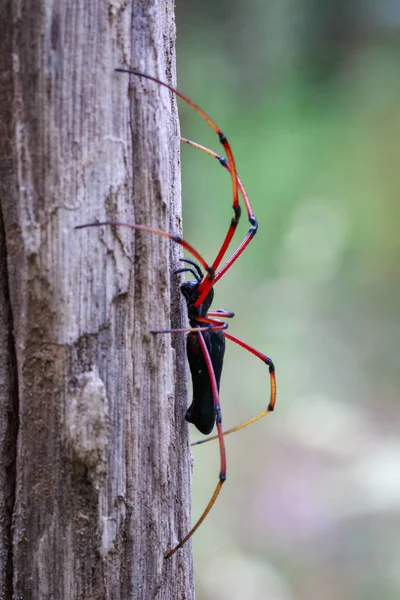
x=220, y=436
x=174, y=238
x=221, y=136
x=213, y=324
x=272, y=399
x=207, y=283
x=215, y=327
x=235, y=255
x=223, y=162
x=234, y=222
x=220, y=312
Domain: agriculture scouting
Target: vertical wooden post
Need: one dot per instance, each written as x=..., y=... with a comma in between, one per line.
x=95, y=468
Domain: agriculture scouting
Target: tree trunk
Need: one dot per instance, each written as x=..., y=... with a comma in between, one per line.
x=94, y=456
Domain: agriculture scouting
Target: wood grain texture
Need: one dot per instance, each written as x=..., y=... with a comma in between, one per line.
x=98, y=458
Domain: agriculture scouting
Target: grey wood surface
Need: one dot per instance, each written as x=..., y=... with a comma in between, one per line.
x=95, y=461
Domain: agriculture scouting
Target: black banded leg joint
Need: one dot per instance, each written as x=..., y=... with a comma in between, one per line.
x=271, y=370
x=228, y=314
x=254, y=225
x=222, y=477
x=270, y=364
x=218, y=414
x=238, y=211
x=211, y=273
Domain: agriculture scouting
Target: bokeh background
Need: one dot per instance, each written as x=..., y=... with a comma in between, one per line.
x=308, y=92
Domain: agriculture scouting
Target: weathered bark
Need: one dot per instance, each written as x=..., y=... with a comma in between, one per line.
x=94, y=466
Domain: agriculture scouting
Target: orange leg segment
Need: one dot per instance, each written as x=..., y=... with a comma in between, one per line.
x=220, y=436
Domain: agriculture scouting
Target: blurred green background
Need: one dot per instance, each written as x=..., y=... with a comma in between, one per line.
x=308, y=93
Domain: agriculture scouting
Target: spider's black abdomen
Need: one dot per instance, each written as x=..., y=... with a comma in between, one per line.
x=201, y=412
